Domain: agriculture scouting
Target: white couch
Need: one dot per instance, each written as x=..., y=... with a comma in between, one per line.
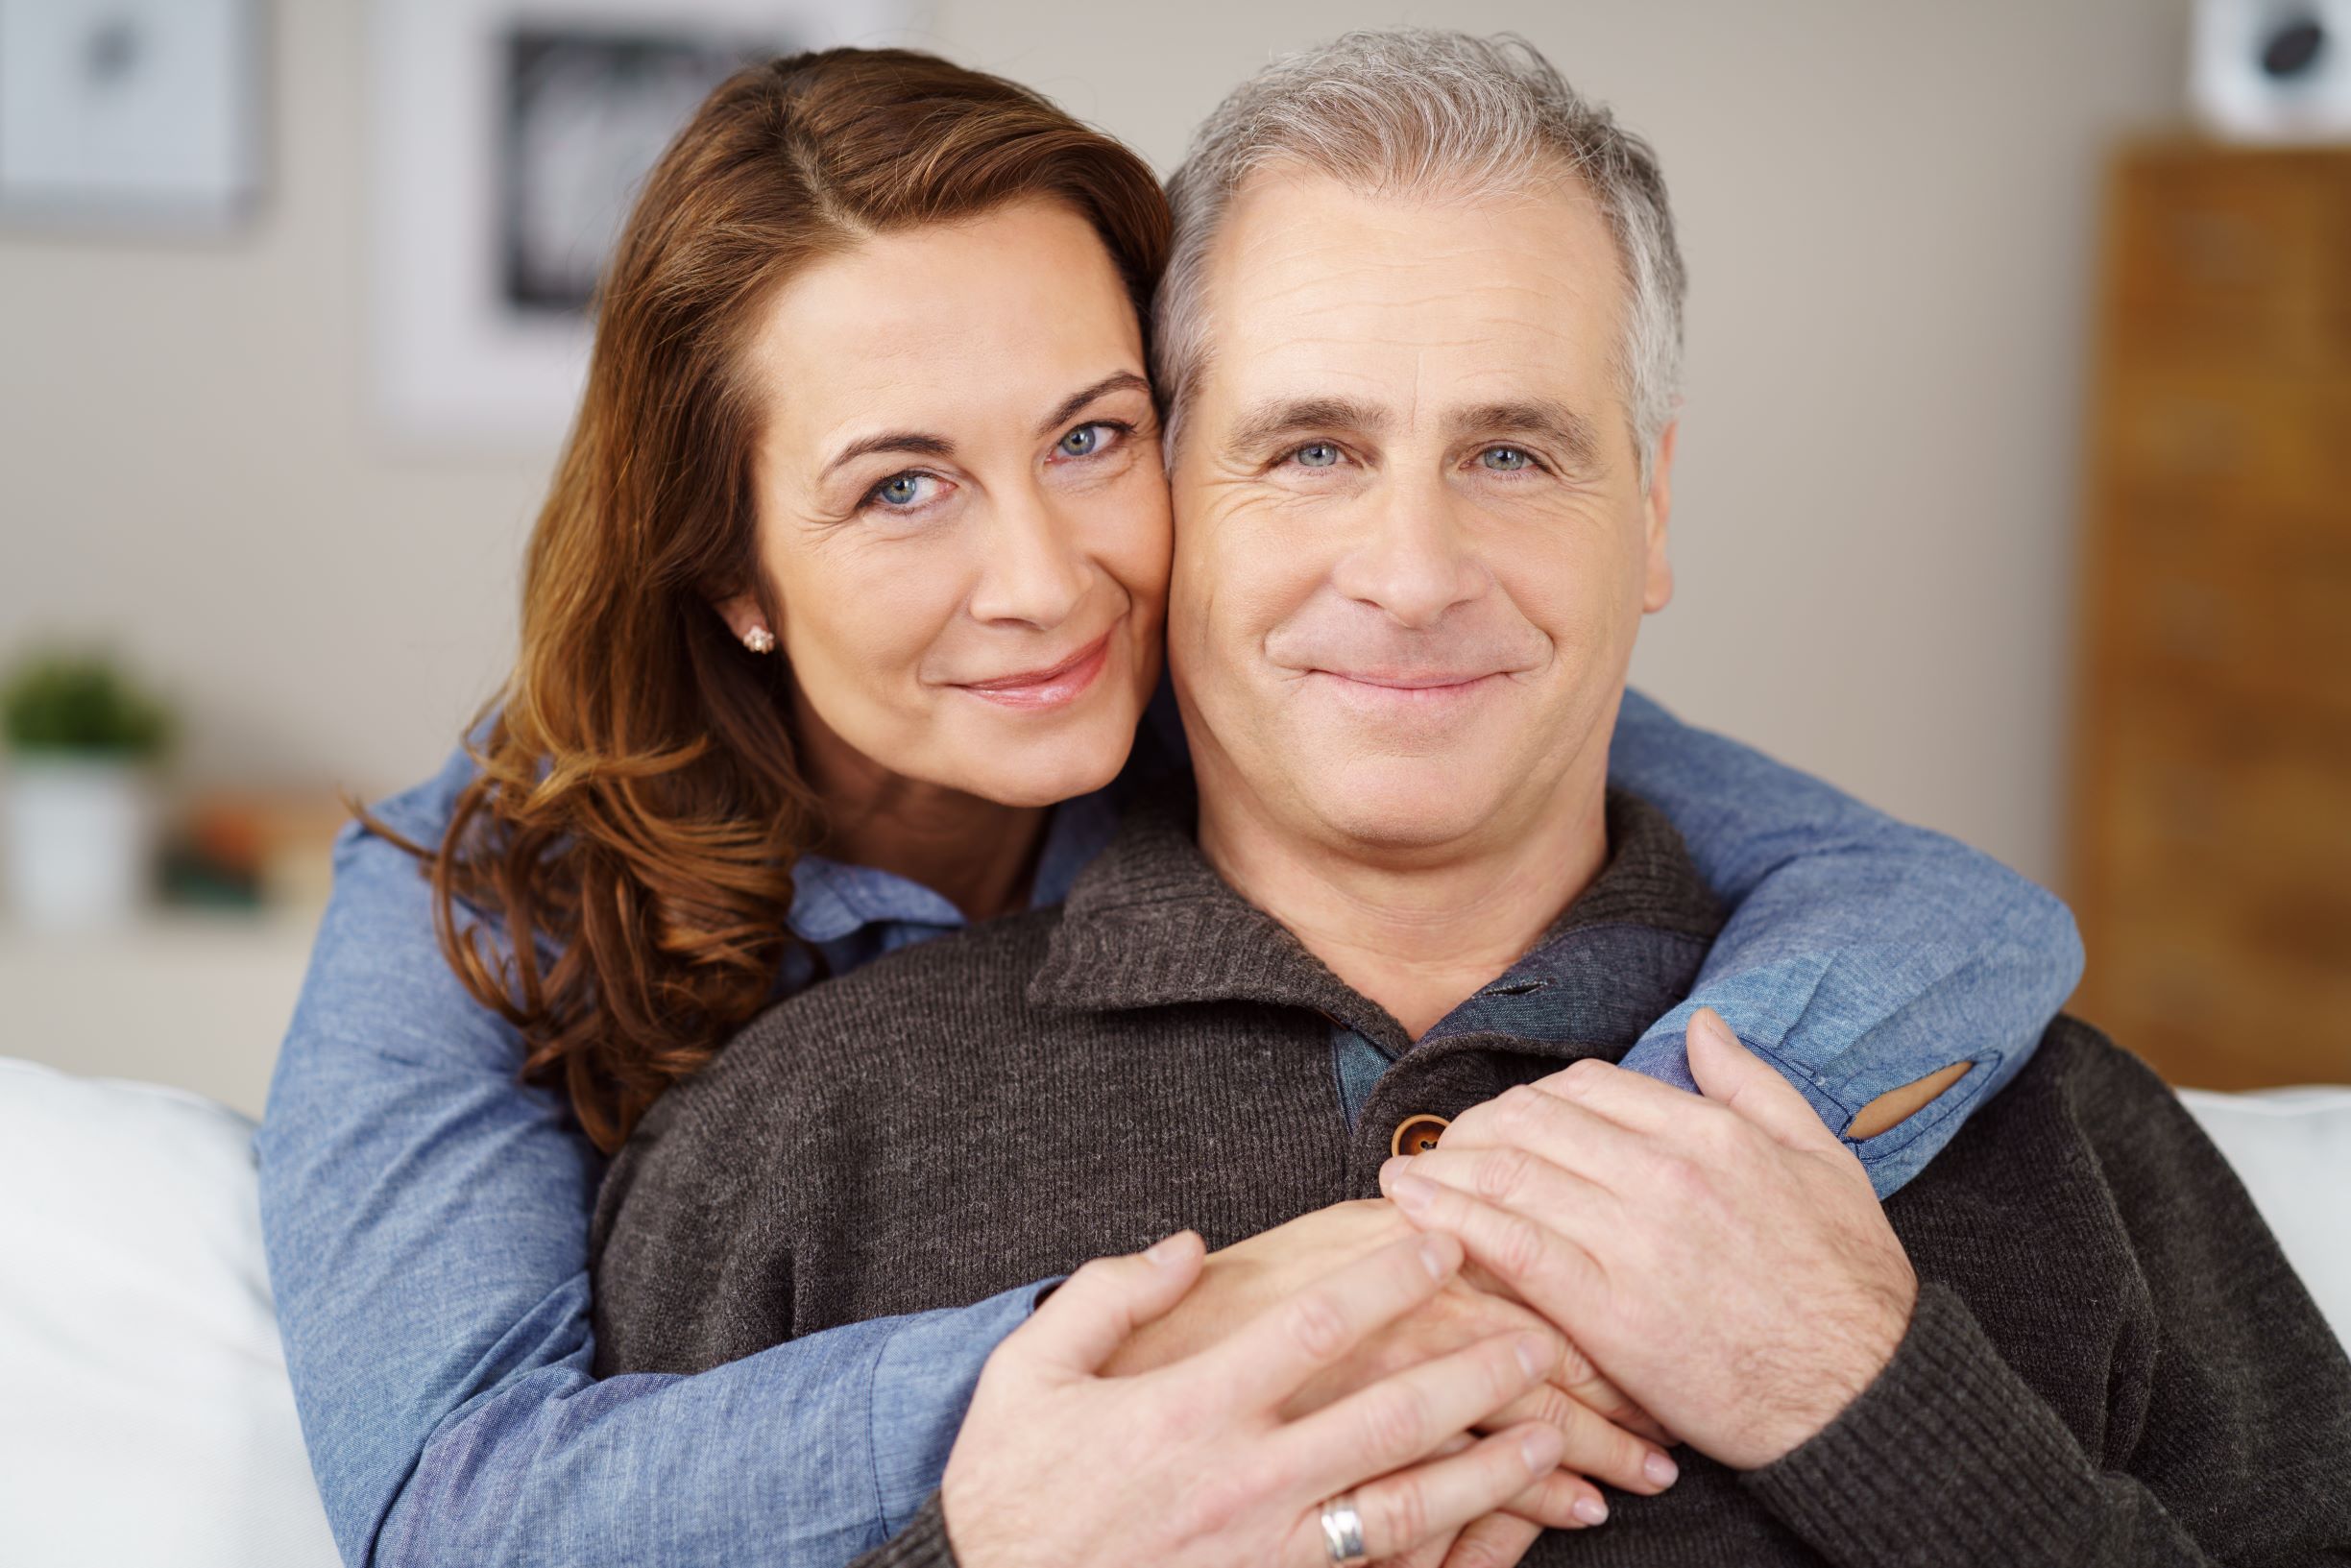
x=144, y=1412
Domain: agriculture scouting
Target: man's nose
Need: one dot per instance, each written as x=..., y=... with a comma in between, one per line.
x=1031, y=571
x=1413, y=558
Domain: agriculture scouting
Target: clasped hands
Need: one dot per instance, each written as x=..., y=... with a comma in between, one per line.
x=1623, y=1266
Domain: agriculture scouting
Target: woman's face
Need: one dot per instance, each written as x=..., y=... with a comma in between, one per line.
x=963, y=517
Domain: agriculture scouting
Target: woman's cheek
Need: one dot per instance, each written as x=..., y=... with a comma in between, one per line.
x=1143, y=542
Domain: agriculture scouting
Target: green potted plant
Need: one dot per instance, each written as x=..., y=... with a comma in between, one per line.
x=82, y=738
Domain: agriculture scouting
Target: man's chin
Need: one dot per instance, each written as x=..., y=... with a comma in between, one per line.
x=1404, y=805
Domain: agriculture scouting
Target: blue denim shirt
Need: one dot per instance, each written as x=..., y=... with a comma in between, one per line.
x=426, y=1217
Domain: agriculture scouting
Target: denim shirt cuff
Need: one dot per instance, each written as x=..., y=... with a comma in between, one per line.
x=922, y=1378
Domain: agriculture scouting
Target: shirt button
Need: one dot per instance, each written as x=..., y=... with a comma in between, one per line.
x=1418, y=1134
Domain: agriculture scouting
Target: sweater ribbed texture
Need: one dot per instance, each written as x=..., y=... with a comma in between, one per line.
x=1948, y=1457
x=922, y=1544
x=2110, y=1362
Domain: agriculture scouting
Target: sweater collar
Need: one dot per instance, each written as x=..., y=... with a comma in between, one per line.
x=1149, y=923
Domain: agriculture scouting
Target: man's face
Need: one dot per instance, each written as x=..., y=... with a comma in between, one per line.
x=1412, y=545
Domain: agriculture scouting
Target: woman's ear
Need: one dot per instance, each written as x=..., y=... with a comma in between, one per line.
x=746, y=620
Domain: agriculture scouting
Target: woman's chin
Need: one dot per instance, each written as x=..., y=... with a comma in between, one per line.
x=1046, y=771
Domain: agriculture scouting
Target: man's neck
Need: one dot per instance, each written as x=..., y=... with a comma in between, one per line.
x=1417, y=930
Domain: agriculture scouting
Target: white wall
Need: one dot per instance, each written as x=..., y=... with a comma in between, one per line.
x=1888, y=208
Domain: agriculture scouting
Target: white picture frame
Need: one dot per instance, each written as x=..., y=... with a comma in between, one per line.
x=135, y=116
x=465, y=352
x=2273, y=71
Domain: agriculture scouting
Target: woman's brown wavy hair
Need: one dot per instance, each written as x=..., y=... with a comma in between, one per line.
x=630, y=835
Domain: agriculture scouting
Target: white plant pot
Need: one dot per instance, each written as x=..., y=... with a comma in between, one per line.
x=80, y=839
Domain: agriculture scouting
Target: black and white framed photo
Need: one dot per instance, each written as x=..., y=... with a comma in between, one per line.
x=509, y=138
x=134, y=115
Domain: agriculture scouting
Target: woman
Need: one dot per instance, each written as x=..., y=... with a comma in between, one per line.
x=837, y=626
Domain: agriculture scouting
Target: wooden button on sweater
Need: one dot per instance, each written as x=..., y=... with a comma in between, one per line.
x=1418, y=1134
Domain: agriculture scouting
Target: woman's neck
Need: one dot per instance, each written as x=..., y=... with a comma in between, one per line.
x=977, y=854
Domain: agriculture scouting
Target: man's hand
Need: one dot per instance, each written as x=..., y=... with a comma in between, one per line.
x=1724, y=1257
x=1195, y=1465
x=1608, y=1437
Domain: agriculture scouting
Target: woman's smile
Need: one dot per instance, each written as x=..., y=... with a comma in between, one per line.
x=1056, y=685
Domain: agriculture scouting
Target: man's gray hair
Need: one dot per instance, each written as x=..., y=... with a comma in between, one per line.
x=1416, y=112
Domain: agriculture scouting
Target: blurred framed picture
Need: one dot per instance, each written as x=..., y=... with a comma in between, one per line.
x=508, y=140
x=130, y=114
x=2273, y=70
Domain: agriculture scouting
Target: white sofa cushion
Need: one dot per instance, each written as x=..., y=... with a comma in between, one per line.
x=145, y=1417
x=2293, y=1149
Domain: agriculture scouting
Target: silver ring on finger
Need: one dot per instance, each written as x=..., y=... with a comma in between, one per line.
x=1343, y=1531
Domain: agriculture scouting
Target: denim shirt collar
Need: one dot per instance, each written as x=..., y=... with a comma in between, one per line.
x=835, y=902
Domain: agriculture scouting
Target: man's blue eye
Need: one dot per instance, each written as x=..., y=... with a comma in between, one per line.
x=1317, y=454
x=1081, y=442
x=1505, y=459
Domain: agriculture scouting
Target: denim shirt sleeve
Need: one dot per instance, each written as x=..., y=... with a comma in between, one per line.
x=1861, y=953
x=426, y=1222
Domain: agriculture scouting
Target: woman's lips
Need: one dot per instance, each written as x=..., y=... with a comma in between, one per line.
x=1063, y=684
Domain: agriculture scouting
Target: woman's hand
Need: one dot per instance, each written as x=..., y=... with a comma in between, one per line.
x=1606, y=1436
x=1197, y=1464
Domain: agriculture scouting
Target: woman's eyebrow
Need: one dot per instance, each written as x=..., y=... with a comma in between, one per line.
x=1116, y=382
x=895, y=441
x=930, y=445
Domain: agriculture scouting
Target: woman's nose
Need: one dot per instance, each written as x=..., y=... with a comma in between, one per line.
x=1033, y=572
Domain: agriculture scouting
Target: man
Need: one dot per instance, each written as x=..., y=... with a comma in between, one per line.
x=1421, y=432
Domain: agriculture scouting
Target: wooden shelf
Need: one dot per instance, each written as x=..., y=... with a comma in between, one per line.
x=2211, y=854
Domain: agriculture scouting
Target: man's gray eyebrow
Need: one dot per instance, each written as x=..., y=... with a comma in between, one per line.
x=1562, y=425
x=1270, y=421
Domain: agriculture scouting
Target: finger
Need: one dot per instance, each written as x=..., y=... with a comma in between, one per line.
x=1554, y=1274
x=1436, y=1498
x=1498, y=1540
x=1514, y=1179
x=1405, y=1415
x=1567, y=1135
x=1282, y=1348
x=1588, y=1385
x=1429, y=1553
x=1550, y=1501
x=1630, y=1099
x=1074, y=1331
x=1730, y=1074
x=1594, y=1445
x=1561, y=1500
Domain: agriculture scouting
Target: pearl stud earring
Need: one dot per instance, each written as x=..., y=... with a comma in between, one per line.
x=758, y=639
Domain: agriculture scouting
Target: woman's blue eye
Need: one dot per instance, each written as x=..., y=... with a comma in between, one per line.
x=901, y=490
x=1505, y=459
x=1081, y=442
x=1317, y=454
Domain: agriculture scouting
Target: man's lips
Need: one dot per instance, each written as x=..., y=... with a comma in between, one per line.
x=1050, y=687
x=1411, y=680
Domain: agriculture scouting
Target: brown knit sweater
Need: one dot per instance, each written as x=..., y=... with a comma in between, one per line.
x=2109, y=1363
